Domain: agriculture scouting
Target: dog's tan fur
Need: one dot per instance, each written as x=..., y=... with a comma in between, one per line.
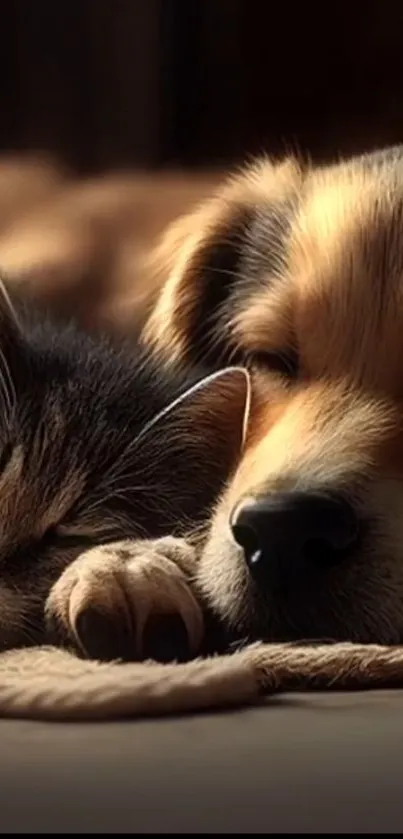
x=324, y=280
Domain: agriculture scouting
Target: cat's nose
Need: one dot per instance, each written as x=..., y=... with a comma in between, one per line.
x=290, y=532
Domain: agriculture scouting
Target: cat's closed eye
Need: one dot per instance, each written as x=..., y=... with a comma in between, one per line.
x=67, y=537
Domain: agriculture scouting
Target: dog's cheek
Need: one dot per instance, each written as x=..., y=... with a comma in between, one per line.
x=222, y=580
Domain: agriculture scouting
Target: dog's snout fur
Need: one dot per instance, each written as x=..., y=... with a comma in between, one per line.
x=311, y=300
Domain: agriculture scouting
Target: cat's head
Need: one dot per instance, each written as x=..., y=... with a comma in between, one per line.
x=97, y=443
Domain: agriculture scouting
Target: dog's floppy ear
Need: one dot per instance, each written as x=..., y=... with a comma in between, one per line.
x=201, y=258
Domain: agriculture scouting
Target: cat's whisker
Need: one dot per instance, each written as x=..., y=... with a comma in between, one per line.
x=117, y=474
x=7, y=386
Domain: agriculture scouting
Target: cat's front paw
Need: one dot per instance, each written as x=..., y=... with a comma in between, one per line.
x=129, y=600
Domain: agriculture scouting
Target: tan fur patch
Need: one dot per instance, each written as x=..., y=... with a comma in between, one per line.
x=312, y=441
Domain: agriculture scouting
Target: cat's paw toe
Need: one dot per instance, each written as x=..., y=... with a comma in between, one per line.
x=130, y=601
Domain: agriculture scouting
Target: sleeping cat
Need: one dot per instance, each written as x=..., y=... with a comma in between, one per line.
x=105, y=455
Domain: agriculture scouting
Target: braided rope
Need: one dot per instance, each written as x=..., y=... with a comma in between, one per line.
x=48, y=683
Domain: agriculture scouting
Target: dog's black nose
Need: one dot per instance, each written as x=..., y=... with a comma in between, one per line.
x=291, y=531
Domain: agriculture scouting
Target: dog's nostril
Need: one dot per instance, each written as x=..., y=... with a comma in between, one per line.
x=248, y=539
x=320, y=553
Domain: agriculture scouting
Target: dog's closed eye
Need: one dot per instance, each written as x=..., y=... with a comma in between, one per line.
x=285, y=363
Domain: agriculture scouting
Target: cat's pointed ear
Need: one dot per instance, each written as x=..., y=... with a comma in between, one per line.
x=193, y=446
x=215, y=411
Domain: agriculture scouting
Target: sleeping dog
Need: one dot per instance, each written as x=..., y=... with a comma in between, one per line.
x=297, y=272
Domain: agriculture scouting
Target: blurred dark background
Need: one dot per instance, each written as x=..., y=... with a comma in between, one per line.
x=156, y=83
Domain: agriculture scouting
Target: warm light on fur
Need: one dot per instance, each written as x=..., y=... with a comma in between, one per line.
x=291, y=262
